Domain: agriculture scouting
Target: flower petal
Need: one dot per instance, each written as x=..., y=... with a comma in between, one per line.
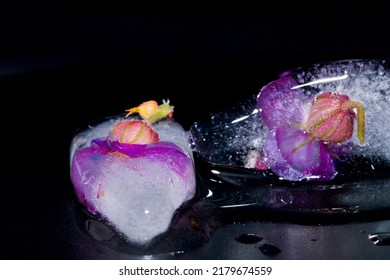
x=275, y=160
x=297, y=148
x=170, y=154
x=85, y=164
x=280, y=104
x=312, y=161
x=164, y=152
x=326, y=170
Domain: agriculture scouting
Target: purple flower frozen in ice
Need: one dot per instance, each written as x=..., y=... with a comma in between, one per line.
x=302, y=127
x=131, y=149
x=103, y=152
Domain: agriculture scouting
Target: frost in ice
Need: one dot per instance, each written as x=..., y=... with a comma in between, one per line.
x=137, y=187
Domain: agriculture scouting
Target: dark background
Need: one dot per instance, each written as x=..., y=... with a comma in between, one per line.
x=63, y=66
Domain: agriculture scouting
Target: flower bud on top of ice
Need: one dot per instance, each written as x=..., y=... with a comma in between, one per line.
x=145, y=110
x=332, y=116
x=151, y=111
x=133, y=132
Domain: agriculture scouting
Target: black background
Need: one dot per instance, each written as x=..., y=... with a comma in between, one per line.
x=63, y=66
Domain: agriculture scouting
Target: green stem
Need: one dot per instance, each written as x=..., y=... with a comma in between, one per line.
x=303, y=144
x=361, y=117
x=163, y=111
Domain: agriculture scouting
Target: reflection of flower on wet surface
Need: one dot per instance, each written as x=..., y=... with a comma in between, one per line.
x=302, y=129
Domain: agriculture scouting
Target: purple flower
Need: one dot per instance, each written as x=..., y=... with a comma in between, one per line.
x=88, y=162
x=291, y=148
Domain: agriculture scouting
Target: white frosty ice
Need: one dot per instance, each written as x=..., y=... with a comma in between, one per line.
x=137, y=196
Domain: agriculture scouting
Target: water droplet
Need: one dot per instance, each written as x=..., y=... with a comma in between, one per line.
x=248, y=238
x=380, y=239
x=269, y=249
x=98, y=230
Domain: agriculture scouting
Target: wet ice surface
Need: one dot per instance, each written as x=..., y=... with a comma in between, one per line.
x=138, y=196
x=227, y=137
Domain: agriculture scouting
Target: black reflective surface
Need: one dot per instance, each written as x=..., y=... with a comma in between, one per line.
x=203, y=64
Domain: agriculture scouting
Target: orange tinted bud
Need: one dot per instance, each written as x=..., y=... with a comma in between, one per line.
x=133, y=132
x=145, y=110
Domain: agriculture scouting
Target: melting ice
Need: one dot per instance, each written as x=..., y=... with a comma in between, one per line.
x=137, y=196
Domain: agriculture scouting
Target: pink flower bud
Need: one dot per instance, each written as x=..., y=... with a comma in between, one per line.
x=332, y=116
x=151, y=111
x=133, y=132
